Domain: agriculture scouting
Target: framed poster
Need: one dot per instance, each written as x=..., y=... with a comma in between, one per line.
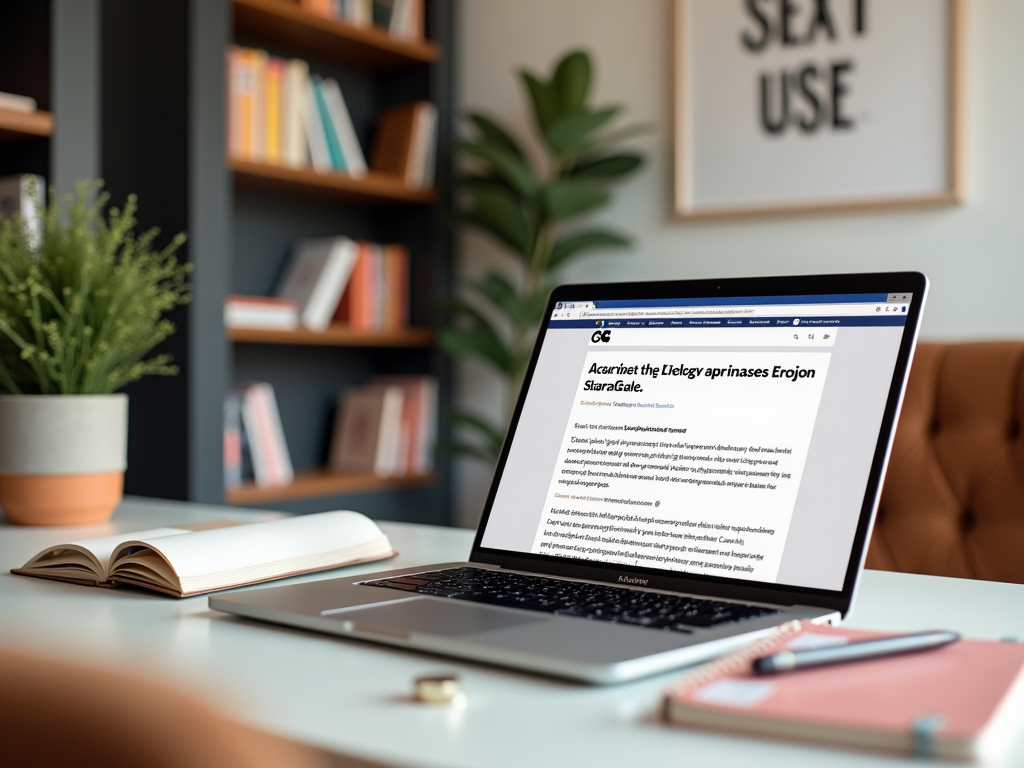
x=801, y=105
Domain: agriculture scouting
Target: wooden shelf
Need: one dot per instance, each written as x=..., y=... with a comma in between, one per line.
x=375, y=187
x=335, y=336
x=322, y=483
x=286, y=24
x=23, y=125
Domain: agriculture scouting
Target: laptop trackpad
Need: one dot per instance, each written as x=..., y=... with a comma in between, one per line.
x=434, y=617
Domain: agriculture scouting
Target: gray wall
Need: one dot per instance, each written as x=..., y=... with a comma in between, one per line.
x=971, y=252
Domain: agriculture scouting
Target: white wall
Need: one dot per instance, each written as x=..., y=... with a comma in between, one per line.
x=972, y=253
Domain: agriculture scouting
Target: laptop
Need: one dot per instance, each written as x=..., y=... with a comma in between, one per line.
x=689, y=465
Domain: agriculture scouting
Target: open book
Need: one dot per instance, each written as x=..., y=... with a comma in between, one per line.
x=184, y=562
x=960, y=702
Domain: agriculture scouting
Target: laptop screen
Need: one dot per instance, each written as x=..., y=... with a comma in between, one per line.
x=728, y=436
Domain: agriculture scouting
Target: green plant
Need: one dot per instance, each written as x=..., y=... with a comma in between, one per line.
x=525, y=207
x=81, y=309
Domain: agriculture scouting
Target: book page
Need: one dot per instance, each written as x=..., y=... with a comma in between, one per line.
x=229, y=556
x=88, y=558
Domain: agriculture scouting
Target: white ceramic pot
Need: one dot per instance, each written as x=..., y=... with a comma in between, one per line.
x=62, y=457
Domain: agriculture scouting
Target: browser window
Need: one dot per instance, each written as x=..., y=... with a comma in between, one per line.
x=727, y=437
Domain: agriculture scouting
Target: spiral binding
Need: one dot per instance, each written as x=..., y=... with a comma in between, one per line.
x=732, y=662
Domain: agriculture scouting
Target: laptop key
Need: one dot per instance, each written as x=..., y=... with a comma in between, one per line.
x=597, y=602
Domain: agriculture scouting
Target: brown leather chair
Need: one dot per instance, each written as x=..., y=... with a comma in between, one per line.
x=59, y=714
x=953, y=500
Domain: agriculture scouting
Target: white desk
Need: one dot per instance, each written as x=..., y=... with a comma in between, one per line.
x=352, y=698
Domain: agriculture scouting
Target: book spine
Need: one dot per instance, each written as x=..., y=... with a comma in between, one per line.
x=341, y=120
x=314, y=129
x=272, y=109
x=256, y=438
x=295, y=151
x=232, y=441
x=329, y=129
x=284, y=473
x=258, y=110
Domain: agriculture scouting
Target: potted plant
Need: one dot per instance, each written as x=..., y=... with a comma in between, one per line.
x=82, y=303
x=531, y=205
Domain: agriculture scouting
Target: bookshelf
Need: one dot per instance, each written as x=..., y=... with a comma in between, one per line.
x=137, y=91
x=275, y=205
x=376, y=188
x=336, y=336
x=284, y=23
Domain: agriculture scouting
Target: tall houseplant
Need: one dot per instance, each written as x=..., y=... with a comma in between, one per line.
x=82, y=304
x=530, y=209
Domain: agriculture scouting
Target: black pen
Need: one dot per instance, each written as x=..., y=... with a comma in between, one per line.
x=783, y=661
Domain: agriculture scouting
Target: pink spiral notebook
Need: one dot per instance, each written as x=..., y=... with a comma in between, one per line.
x=959, y=702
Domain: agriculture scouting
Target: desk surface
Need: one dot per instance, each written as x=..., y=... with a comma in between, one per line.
x=353, y=698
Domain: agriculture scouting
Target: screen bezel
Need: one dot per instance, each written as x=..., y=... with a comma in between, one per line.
x=719, y=586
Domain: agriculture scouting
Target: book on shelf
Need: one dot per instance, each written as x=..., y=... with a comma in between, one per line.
x=273, y=108
x=261, y=312
x=377, y=295
x=417, y=438
x=279, y=114
x=261, y=436
x=961, y=701
x=403, y=19
x=234, y=472
x=338, y=122
x=405, y=142
x=387, y=428
x=316, y=276
x=16, y=103
x=183, y=561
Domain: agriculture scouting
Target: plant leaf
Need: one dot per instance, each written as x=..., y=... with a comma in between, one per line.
x=571, y=197
x=574, y=244
x=476, y=342
x=501, y=215
x=608, y=167
x=610, y=139
x=505, y=165
x=569, y=134
x=496, y=134
x=544, y=100
x=571, y=81
x=497, y=288
x=472, y=183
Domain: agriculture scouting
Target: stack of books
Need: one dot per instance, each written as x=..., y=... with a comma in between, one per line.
x=254, y=444
x=403, y=19
x=281, y=115
x=359, y=284
x=387, y=428
x=261, y=312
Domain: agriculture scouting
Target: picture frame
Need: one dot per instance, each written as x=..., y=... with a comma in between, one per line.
x=798, y=106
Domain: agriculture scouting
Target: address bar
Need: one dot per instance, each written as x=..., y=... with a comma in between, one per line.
x=768, y=310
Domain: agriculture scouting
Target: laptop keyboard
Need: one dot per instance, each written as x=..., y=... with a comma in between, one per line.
x=673, y=613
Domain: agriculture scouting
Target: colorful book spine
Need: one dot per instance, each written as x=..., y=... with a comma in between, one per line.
x=273, y=111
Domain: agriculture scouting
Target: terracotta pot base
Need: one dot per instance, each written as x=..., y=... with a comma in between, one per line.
x=61, y=499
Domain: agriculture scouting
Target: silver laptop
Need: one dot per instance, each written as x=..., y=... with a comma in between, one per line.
x=689, y=465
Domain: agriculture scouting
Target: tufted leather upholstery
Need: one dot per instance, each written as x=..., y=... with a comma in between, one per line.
x=953, y=500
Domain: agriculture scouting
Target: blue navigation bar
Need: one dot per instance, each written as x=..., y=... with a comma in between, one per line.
x=732, y=322
x=825, y=298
